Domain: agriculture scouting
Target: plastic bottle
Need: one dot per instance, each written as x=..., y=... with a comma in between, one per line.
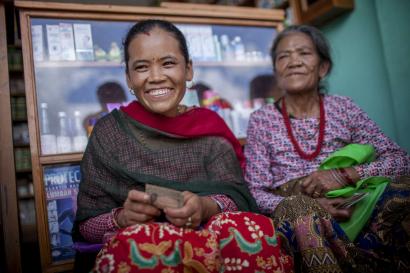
x=217, y=45
x=239, y=48
x=48, y=140
x=79, y=139
x=63, y=138
x=226, y=48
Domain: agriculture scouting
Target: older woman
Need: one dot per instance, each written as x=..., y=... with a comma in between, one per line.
x=288, y=141
x=155, y=140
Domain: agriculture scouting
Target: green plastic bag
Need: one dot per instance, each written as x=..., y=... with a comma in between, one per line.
x=351, y=155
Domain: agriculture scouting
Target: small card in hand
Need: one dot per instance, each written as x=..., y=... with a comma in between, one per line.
x=162, y=197
x=350, y=201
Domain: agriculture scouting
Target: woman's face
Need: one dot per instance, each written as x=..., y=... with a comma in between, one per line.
x=157, y=71
x=298, y=66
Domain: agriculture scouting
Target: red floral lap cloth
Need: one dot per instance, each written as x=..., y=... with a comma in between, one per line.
x=229, y=242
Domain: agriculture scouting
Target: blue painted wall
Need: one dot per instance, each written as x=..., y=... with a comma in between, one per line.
x=371, y=51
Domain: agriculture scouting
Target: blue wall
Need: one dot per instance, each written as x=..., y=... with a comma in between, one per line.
x=371, y=51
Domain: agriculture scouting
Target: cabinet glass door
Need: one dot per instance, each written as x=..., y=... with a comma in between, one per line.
x=80, y=75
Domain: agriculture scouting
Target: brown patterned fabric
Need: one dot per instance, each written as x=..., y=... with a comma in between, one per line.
x=319, y=244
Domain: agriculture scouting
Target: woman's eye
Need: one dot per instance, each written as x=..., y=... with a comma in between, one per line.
x=305, y=53
x=168, y=63
x=140, y=68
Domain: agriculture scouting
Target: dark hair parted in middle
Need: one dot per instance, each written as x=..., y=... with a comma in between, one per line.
x=145, y=27
x=317, y=37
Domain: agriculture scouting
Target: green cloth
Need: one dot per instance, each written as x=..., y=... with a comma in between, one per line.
x=351, y=155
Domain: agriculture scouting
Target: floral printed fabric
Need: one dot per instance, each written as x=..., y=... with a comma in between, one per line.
x=229, y=242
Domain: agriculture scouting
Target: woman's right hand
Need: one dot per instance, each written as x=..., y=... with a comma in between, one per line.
x=137, y=209
x=330, y=205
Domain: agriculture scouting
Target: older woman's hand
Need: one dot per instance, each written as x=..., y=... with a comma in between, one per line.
x=196, y=209
x=137, y=209
x=320, y=182
x=330, y=205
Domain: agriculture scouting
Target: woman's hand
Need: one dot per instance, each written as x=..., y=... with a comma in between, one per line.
x=196, y=209
x=137, y=209
x=320, y=182
x=330, y=205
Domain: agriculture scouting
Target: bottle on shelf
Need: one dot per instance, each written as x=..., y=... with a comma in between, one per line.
x=226, y=48
x=48, y=140
x=238, y=48
x=79, y=138
x=217, y=45
x=63, y=138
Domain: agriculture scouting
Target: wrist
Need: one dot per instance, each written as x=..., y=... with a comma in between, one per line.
x=117, y=217
x=209, y=208
x=346, y=176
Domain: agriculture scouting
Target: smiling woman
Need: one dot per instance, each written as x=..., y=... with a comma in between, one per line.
x=158, y=71
x=287, y=143
x=157, y=141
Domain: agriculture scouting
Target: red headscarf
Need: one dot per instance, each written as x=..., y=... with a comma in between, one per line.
x=197, y=122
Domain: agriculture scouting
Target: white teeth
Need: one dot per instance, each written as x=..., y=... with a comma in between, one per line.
x=158, y=92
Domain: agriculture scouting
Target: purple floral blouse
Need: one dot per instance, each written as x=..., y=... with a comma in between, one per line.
x=272, y=161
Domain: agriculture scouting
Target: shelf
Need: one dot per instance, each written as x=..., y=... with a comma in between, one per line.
x=29, y=170
x=61, y=158
x=21, y=145
x=19, y=120
x=17, y=94
x=77, y=64
x=26, y=197
x=63, y=64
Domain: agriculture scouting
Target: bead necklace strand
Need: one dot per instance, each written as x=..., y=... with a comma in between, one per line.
x=292, y=138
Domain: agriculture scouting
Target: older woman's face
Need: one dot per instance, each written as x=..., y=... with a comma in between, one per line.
x=298, y=66
x=157, y=71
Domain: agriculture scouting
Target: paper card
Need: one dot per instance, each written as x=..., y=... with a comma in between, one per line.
x=162, y=197
x=83, y=42
x=53, y=42
x=37, y=39
x=67, y=42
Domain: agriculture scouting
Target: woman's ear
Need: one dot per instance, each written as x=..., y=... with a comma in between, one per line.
x=323, y=69
x=189, y=74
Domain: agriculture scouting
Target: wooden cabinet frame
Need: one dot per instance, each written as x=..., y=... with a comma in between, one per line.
x=178, y=13
x=319, y=11
x=8, y=194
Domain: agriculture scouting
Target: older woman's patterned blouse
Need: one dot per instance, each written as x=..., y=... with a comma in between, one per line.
x=272, y=161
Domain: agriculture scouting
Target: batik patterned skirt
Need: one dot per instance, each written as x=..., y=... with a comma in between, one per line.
x=229, y=242
x=318, y=243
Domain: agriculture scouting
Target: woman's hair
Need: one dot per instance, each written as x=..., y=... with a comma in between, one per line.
x=318, y=39
x=146, y=26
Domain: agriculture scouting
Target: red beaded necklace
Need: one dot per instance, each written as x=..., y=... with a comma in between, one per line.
x=292, y=138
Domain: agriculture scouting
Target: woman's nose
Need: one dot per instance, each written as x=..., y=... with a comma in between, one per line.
x=295, y=60
x=156, y=74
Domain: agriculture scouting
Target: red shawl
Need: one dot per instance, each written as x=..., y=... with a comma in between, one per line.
x=197, y=122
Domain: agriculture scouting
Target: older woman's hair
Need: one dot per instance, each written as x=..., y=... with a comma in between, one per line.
x=317, y=37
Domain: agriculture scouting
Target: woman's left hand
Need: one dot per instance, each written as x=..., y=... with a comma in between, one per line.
x=191, y=215
x=318, y=183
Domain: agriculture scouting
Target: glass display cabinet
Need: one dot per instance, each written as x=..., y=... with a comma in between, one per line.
x=74, y=74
